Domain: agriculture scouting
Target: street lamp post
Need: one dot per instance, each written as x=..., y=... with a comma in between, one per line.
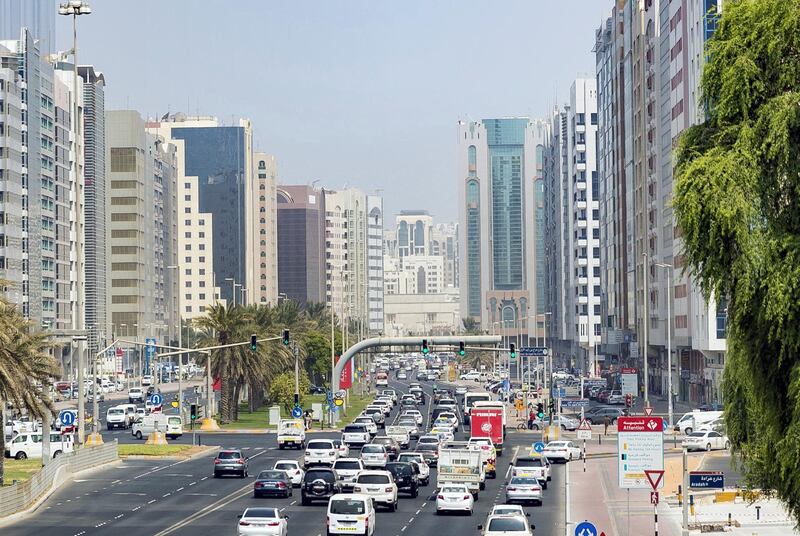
x=646, y=328
x=670, y=269
x=180, y=345
x=234, y=284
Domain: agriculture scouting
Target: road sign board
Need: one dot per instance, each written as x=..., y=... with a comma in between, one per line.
x=574, y=403
x=519, y=405
x=654, y=498
x=640, y=448
x=706, y=479
x=585, y=528
x=341, y=393
x=586, y=435
x=584, y=425
x=533, y=351
x=532, y=395
x=297, y=412
x=538, y=446
x=174, y=404
x=506, y=385
x=648, y=411
x=338, y=401
x=67, y=418
x=156, y=399
x=519, y=395
x=629, y=379
x=654, y=477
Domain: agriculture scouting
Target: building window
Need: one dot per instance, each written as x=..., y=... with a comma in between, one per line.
x=681, y=322
x=580, y=119
x=123, y=159
x=593, y=118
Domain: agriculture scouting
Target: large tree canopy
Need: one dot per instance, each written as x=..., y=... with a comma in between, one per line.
x=736, y=200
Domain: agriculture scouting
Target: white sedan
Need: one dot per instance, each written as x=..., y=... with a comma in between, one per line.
x=414, y=413
x=293, y=469
x=506, y=525
x=522, y=489
x=454, y=498
x=263, y=522
x=706, y=440
x=564, y=451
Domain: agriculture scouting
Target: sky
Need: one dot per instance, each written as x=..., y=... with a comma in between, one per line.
x=362, y=93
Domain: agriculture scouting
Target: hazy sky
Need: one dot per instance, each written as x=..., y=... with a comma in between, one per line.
x=361, y=93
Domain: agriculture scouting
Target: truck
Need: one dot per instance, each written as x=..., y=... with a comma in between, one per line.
x=462, y=466
x=469, y=400
x=399, y=434
x=487, y=421
x=291, y=433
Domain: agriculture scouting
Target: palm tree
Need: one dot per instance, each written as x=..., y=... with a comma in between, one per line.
x=25, y=367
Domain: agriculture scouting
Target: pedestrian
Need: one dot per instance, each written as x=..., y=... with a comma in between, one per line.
x=307, y=419
x=531, y=418
x=606, y=422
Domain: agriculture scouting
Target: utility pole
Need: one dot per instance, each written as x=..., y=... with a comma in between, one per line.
x=685, y=498
x=646, y=328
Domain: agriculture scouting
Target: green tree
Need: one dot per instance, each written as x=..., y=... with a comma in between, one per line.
x=471, y=326
x=281, y=390
x=736, y=202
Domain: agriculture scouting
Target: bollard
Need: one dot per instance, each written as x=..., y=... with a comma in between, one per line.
x=729, y=519
x=680, y=495
x=599, y=439
x=691, y=504
x=758, y=513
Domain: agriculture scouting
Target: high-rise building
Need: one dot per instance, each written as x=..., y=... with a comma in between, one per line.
x=263, y=282
x=38, y=16
x=500, y=179
x=142, y=231
x=301, y=243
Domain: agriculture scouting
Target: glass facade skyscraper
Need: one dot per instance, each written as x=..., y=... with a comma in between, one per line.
x=39, y=16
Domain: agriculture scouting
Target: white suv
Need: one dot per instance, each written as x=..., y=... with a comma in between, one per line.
x=379, y=485
x=356, y=434
x=320, y=452
x=116, y=418
x=351, y=514
x=347, y=470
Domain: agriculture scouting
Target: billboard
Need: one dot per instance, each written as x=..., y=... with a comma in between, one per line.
x=640, y=448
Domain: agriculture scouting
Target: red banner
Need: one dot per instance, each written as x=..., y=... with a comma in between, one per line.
x=346, y=378
x=217, y=385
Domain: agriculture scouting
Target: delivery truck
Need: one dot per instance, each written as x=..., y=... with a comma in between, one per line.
x=488, y=422
x=291, y=433
x=462, y=466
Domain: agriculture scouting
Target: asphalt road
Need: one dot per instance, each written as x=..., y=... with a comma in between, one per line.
x=160, y=497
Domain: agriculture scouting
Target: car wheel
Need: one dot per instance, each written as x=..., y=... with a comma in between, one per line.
x=727, y=445
x=21, y=456
x=138, y=434
x=256, y=495
x=56, y=454
x=688, y=431
x=544, y=486
x=708, y=447
x=570, y=457
x=482, y=486
x=216, y=474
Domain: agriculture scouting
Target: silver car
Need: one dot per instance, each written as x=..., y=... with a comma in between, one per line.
x=524, y=489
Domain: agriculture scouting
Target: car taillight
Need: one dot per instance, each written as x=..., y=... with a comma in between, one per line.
x=273, y=524
x=356, y=489
x=331, y=453
x=281, y=485
x=387, y=490
x=512, y=489
x=440, y=497
x=216, y=462
x=244, y=523
x=466, y=497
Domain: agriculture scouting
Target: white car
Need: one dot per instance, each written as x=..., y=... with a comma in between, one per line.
x=410, y=424
x=414, y=413
x=461, y=391
x=135, y=394
x=374, y=456
x=392, y=393
x=147, y=380
x=454, y=498
x=564, y=451
x=471, y=375
x=351, y=514
x=444, y=434
x=430, y=439
x=356, y=434
x=262, y=521
x=379, y=485
x=320, y=452
x=535, y=466
x=524, y=489
x=347, y=470
x=508, y=510
x=342, y=447
x=424, y=471
x=372, y=428
x=705, y=440
x=443, y=422
x=292, y=469
x=505, y=525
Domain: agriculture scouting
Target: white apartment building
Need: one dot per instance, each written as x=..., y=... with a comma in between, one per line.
x=264, y=280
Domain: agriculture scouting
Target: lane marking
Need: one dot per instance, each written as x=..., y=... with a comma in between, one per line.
x=247, y=489
x=179, y=489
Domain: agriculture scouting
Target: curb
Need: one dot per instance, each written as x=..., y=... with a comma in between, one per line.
x=206, y=450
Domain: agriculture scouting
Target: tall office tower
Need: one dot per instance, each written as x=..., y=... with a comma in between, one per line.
x=263, y=282
x=444, y=243
x=142, y=211
x=301, y=243
x=499, y=175
x=37, y=193
x=221, y=157
x=39, y=16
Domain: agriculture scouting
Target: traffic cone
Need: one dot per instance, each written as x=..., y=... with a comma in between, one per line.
x=209, y=425
x=156, y=438
x=94, y=439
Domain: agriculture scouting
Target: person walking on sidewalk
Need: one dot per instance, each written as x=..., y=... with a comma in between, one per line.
x=606, y=422
x=531, y=418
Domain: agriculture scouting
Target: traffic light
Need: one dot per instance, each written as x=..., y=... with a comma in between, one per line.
x=425, y=349
x=628, y=400
x=286, y=337
x=253, y=342
x=540, y=410
x=512, y=350
x=461, y=349
x=552, y=405
x=193, y=412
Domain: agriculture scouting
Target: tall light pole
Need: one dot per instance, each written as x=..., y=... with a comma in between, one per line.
x=234, y=284
x=74, y=8
x=670, y=269
x=180, y=345
x=646, y=328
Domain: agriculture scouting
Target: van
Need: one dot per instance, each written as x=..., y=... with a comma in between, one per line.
x=694, y=419
x=351, y=513
x=130, y=413
x=29, y=445
x=469, y=400
x=170, y=425
x=116, y=418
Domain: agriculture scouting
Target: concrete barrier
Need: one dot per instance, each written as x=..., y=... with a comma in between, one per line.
x=21, y=496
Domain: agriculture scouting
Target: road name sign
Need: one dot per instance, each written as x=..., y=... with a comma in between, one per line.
x=538, y=446
x=574, y=403
x=533, y=351
x=706, y=479
x=585, y=528
x=640, y=449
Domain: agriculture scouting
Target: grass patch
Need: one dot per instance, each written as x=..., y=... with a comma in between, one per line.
x=259, y=419
x=20, y=470
x=151, y=450
x=355, y=405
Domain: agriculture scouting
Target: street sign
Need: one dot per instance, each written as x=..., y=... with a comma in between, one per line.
x=538, y=446
x=174, y=404
x=149, y=352
x=654, y=477
x=533, y=351
x=585, y=528
x=706, y=479
x=648, y=411
x=574, y=403
x=654, y=498
x=532, y=395
x=640, y=449
x=67, y=418
x=297, y=412
x=341, y=393
x=156, y=399
x=629, y=378
x=506, y=385
x=584, y=430
x=519, y=405
x=584, y=425
x=338, y=401
x=519, y=395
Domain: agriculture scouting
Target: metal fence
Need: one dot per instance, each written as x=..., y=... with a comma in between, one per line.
x=21, y=496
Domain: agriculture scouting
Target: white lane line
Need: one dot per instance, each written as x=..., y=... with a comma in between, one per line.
x=119, y=516
x=151, y=501
x=179, y=489
x=418, y=511
x=404, y=528
x=411, y=520
x=292, y=503
x=116, y=481
x=204, y=478
x=166, y=495
x=134, y=509
x=192, y=483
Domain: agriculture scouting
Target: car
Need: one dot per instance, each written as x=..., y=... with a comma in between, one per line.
x=472, y=375
x=602, y=396
x=405, y=476
x=615, y=397
x=101, y=397
x=430, y=452
x=135, y=394
x=347, y=470
x=446, y=420
x=341, y=447
x=379, y=485
x=419, y=393
x=448, y=403
x=461, y=391
x=147, y=380
x=262, y=522
x=453, y=497
x=391, y=444
x=377, y=416
x=508, y=510
x=117, y=418
x=316, y=389
x=319, y=483
x=524, y=489
x=320, y=452
x=230, y=461
x=391, y=393
x=429, y=439
x=532, y=466
x=706, y=440
x=385, y=406
x=414, y=413
x=351, y=514
x=445, y=434
x=292, y=469
x=506, y=525
x=565, y=422
x=356, y=434
x=410, y=424
x=416, y=458
x=597, y=415
x=401, y=375
x=488, y=454
x=399, y=434
x=372, y=428
x=564, y=451
x=272, y=482
x=374, y=455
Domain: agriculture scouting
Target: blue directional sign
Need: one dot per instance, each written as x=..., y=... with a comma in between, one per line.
x=538, y=446
x=297, y=412
x=706, y=479
x=156, y=399
x=533, y=351
x=575, y=403
x=585, y=528
x=67, y=418
x=506, y=385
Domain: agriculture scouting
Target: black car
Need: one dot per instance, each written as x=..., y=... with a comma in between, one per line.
x=272, y=483
x=405, y=477
x=598, y=415
x=391, y=445
x=430, y=453
x=319, y=484
x=230, y=461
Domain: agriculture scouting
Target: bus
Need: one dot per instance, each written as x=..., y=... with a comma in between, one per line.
x=381, y=379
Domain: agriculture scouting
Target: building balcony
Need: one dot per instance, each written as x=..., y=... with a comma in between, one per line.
x=582, y=224
x=582, y=261
x=579, y=204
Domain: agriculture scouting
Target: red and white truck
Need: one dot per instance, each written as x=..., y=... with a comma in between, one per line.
x=489, y=422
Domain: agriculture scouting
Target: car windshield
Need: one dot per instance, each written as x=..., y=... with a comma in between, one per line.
x=501, y=510
x=364, y=420
x=347, y=465
x=524, y=481
x=229, y=455
x=427, y=446
x=428, y=439
x=529, y=462
x=399, y=468
x=320, y=445
x=260, y=512
x=557, y=444
x=319, y=475
x=454, y=489
x=373, y=449
x=354, y=429
x=506, y=524
x=116, y=411
x=285, y=466
x=347, y=506
x=409, y=458
x=373, y=479
x=383, y=440
x=271, y=475
x=697, y=434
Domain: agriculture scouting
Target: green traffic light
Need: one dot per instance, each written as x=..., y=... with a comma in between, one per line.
x=462, y=352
